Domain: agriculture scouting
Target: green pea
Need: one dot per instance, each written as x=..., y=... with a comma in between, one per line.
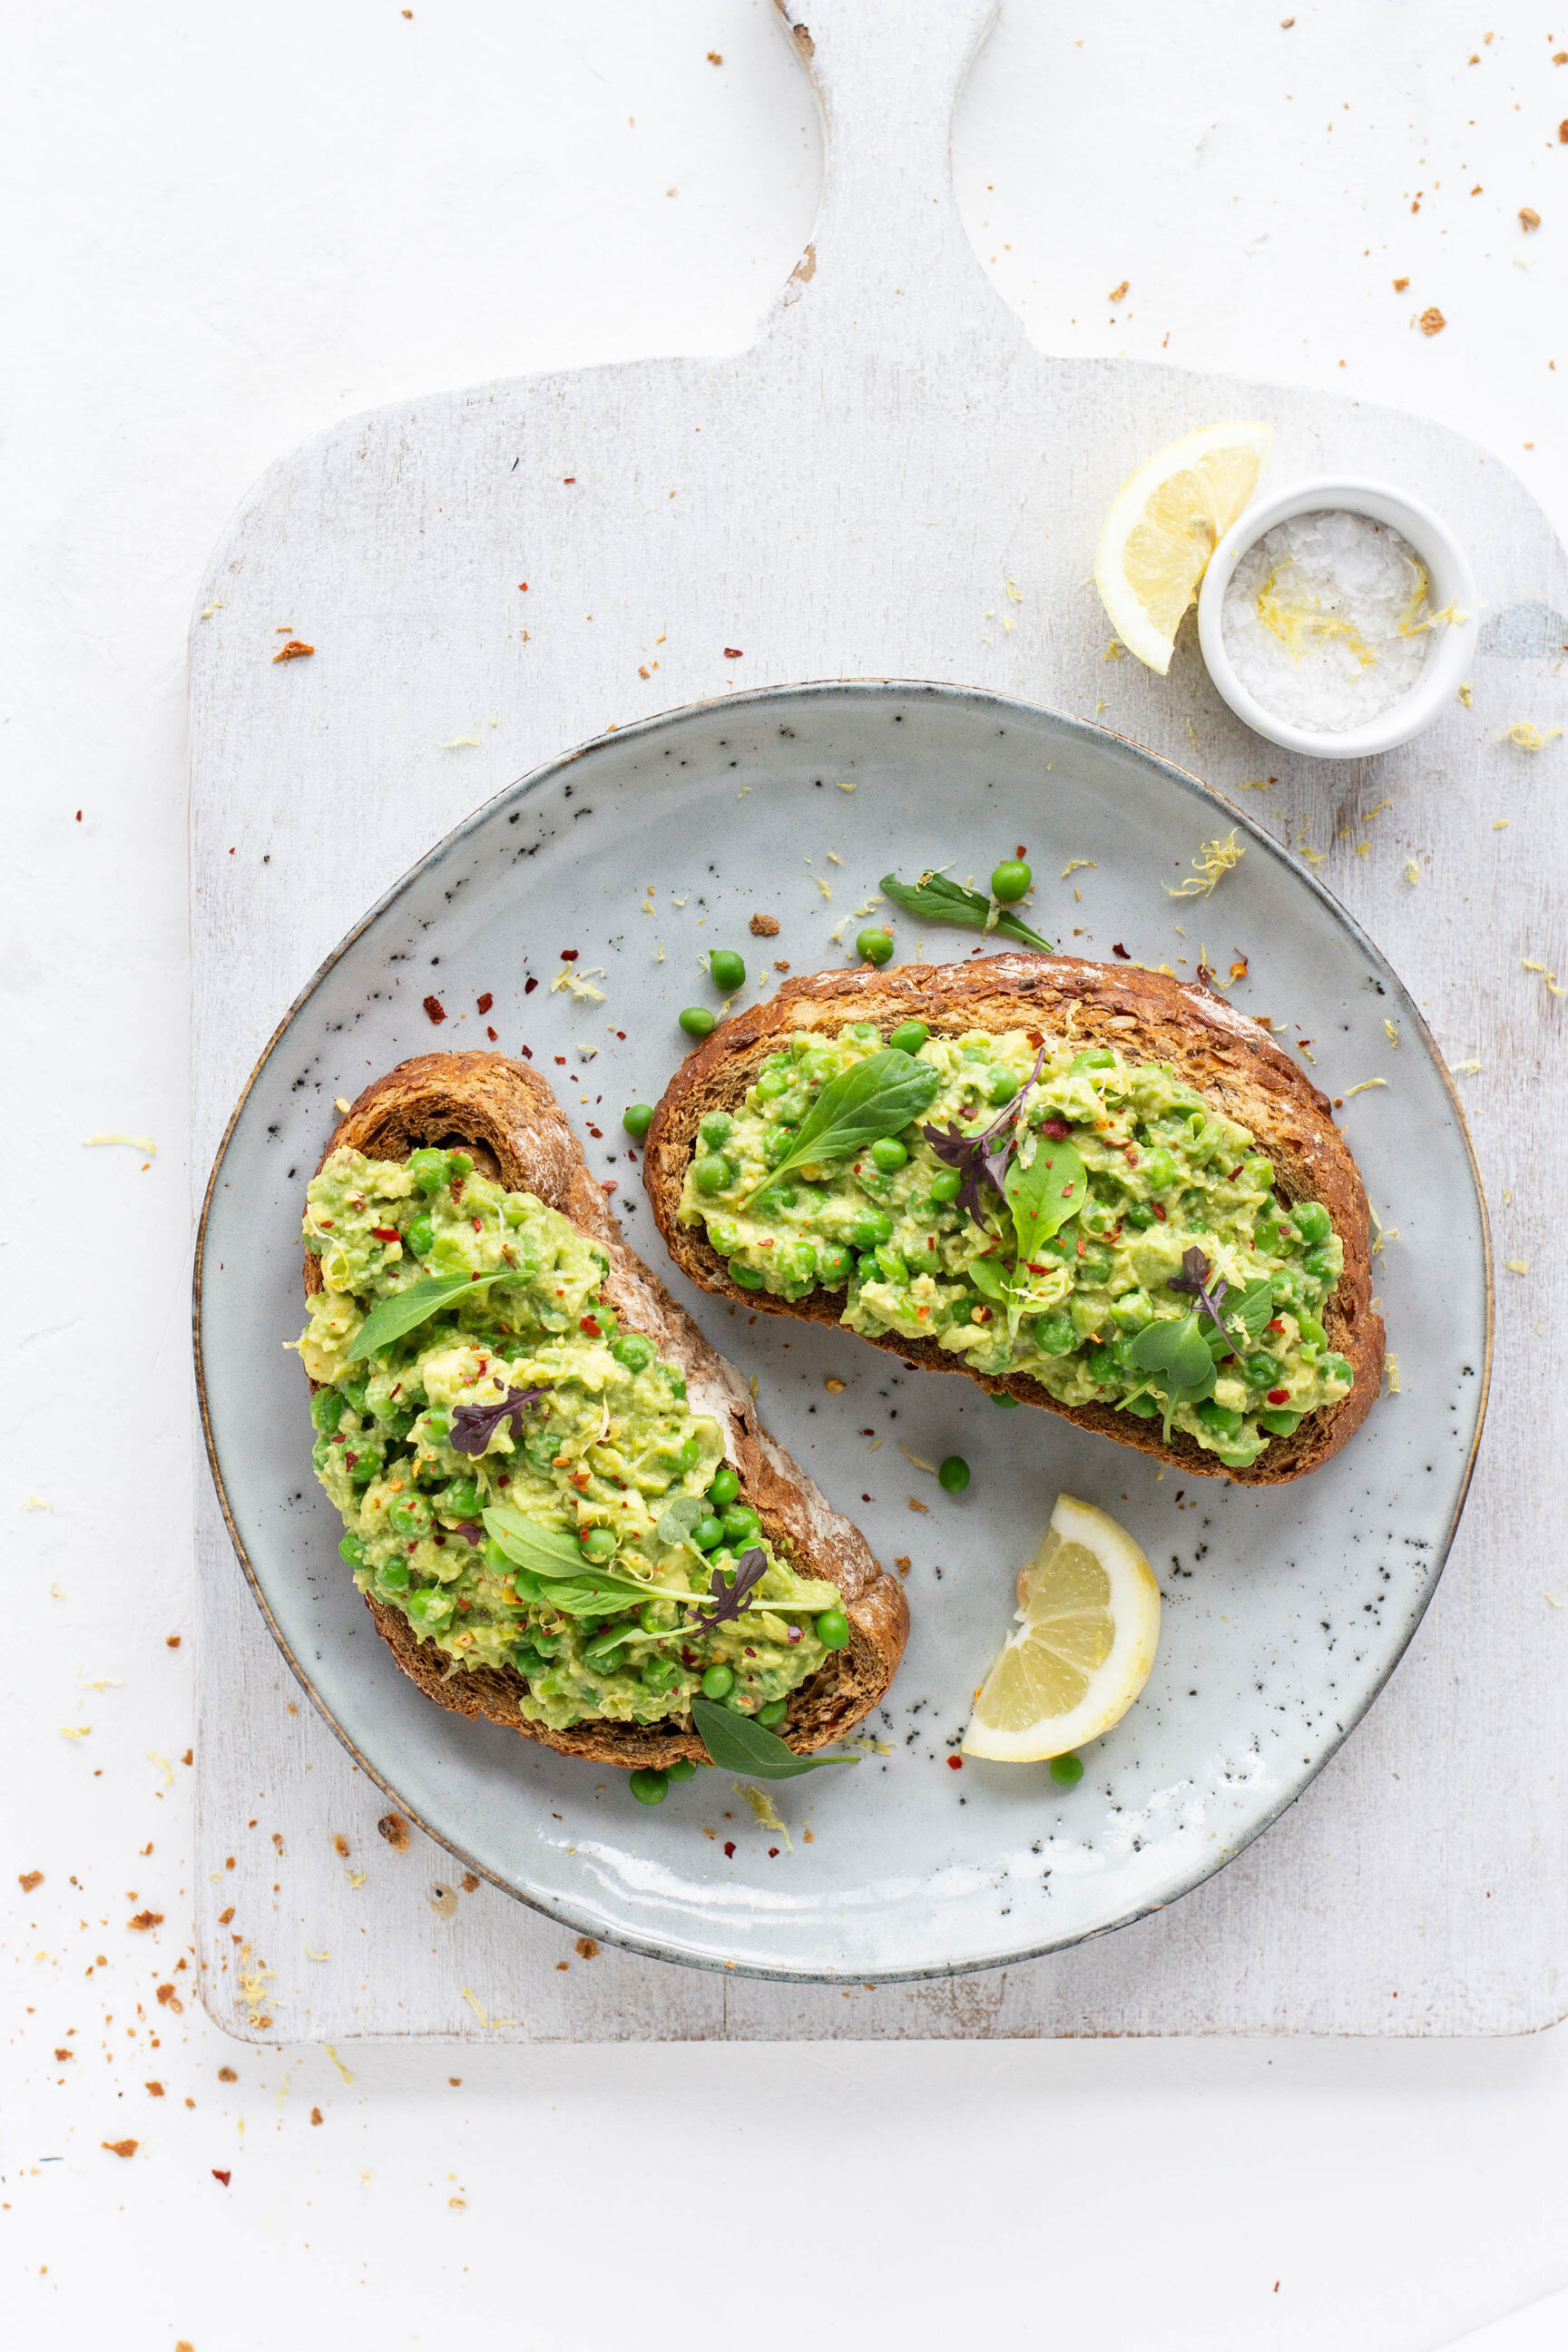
x=771, y=1083
x=742, y=1526
x=393, y=1576
x=1280, y=1423
x=437, y=1426
x=1000, y=1088
x=952, y=1477
x=833, y=1262
x=1139, y=1215
x=728, y=970
x=833, y=1630
x=773, y=1713
x=1104, y=1367
x=498, y=1562
x=461, y=1501
x=598, y=1544
x=409, y=1516
x=698, y=1021
x=1322, y=1263
x=1056, y=1334
x=706, y=1533
x=908, y=1038
x=1256, y=1174
x=1143, y=1408
x=649, y=1787
x=776, y=1197
x=947, y=1186
x=431, y=1602
x=459, y=1163
x=1338, y=1368
x=1264, y=1371
x=1219, y=1418
x=1066, y=1771
x=745, y=1277
x=1097, y=1057
x=657, y=1673
x=352, y=1549
x=599, y=1652
x=874, y=947
x=1002, y=1396
x=428, y=1170
x=326, y=1410
x=716, y=1129
x=636, y=1118
x=888, y=1153
x=1010, y=880
x=718, y=1683
x=1312, y=1221
x=526, y=1659
x=1310, y=1329
x=1094, y=1265
x=634, y=1350
x=419, y=1236
x=724, y=1489
x=868, y=1227
x=889, y=1264
x=1158, y=1170
x=683, y=1768
x=712, y=1173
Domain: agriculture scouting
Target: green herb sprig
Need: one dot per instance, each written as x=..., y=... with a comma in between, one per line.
x=938, y=900
x=871, y=1099
x=389, y=1318
x=738, y=1744
x=1176, y=1355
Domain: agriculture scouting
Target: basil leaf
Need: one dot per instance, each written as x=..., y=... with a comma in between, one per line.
x=389, y=1318
x=941, y=902
x=543, y=1552
x=737, y=1744
x=985, y=1274
x=873, y=1098
x=676, y=1522
x=1044, y=1194
x=588, y=1595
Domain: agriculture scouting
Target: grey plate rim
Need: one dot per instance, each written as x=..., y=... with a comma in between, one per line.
x=565, y=1914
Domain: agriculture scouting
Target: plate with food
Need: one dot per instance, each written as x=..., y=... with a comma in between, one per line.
x=834, y=1416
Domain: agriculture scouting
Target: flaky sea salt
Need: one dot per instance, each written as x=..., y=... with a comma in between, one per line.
x=1326, y=621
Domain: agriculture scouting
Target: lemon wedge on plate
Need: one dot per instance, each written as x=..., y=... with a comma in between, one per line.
x=1165, y=523
x=1087, y=1630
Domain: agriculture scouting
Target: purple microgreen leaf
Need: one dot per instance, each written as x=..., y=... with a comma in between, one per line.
x=474, y=1426
x=750, y=1570
x=1198, y=1281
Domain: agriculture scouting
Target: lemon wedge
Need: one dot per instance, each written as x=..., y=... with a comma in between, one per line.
x=1087, y=1630
x=1165, y=523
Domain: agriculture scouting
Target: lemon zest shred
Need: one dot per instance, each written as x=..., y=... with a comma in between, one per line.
x=1211, y=863
x=1076, y=865
x=1362, y=1088
x=1526, y=735
x=762, y=1807
x=1391, y=1031
x=581, y=983
x=344, y=2072
x=1412, y=871
x=1391, y=1366
x=1465, y=694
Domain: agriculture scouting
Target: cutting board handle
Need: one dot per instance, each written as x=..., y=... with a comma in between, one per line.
x=888, y=255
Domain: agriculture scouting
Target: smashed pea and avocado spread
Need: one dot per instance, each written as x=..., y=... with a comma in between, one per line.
x=522, y=1478
x=1072, y=1215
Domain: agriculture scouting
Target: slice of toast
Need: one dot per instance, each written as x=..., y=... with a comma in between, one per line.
x=506, y=1117
x=1228, y=1059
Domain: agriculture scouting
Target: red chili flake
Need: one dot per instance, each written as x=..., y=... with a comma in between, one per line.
x=568, y=477
x=223, y=2177
x=436, y=1009
x=503, y=1478
x=570, y=955
x=529, y=986
x=588, y=1324
x=956, y=1763
x=455, y=1189
x=1159, y=1211
x=773, y=1852
x=733, y=653
x=527, y=1053
x=326, y=1224
x=522, y=587
x=1118, y=949
x=609, y=1186
x=596, y=1132
x=1057, y=1129
x=622, y=1035
x=1274, y=1326
x=492, y=1034
x=349, y=1459
x=1022, y=851
x=477, y=1224
x=561, y=1058
x=631, y=1157
x=1279, y=1396
x=1082, y=1246
x=729, y=1849
x=384, y=1233
x=484, y=1002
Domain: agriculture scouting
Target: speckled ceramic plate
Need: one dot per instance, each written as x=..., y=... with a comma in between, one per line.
x=1286, y=1608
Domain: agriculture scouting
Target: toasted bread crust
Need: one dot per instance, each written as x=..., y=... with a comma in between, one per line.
x=507, y=1116
x=1233, y=1062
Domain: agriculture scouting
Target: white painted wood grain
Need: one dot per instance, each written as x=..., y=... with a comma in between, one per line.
x=853, y=497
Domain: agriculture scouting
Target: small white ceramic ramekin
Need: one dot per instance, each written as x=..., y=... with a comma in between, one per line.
x=1449, y=581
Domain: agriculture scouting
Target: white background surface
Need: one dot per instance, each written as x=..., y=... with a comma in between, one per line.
x=228, y=226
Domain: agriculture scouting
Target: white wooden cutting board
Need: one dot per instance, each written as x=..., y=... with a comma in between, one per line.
x=892, y=482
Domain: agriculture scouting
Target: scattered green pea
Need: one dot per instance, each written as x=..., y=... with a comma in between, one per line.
x=874, y=946
x=773, y=1713
x=728, y=970
x=832, y=1632
x=649, y=1787
x=908, y=1038
x=683, y=1768
x=953, y=1475
x=1002, y=1396
x=698, y=1021
x=1066, y=1771
x=1010, y=880
x=636, y=1118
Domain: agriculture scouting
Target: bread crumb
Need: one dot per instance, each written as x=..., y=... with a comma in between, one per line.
x=1400, y=284
x=1432, y=321
x=834, y=1388
x=765, y=927
x=395, y=1829
x=587, y=1948
x=293, y=651
x=120, y=2147
x=1529, y=219
x=917, y=1506
x=901, y=1562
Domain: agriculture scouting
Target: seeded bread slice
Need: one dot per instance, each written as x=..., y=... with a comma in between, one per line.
x=1228, y=1059
x=506, y=1117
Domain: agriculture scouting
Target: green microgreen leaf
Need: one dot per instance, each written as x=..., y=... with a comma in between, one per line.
x=1175, y=1355
x=389, y=1318
x=1043, y=1195
x=543, y=1552
x=1253, y=1307
x=941, y=902
x=871, y=1099
x=986, y=1275
x=737, y=1744
x=677, y=1521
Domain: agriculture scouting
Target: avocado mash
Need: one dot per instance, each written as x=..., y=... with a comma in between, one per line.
x=520, y=1477
x=1163, y=1213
